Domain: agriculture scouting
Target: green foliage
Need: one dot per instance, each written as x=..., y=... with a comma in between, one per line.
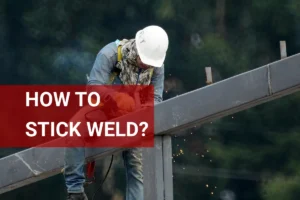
x=281, y=187
x=56, y=41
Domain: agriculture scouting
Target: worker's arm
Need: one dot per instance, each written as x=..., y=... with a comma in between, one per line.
x=158, y=83
x=100, y=74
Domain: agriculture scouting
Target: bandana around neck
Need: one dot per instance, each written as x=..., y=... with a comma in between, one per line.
x=130, y=73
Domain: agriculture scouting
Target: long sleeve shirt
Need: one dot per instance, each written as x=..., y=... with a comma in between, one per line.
x=105, y=61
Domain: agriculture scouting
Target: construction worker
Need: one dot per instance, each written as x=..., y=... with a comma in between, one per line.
x=139, y=61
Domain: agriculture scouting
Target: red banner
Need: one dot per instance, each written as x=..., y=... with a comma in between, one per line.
x=76, y=116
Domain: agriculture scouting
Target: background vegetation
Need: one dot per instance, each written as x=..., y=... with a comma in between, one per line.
x=250, y=155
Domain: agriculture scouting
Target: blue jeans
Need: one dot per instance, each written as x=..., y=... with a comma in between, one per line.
x=74, y=173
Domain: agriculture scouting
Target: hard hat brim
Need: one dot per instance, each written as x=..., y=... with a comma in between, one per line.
x=154, y=63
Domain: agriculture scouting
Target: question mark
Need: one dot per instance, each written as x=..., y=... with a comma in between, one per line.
x=144, y=129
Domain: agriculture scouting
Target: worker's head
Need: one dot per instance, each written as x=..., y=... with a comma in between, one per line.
x=152, y=44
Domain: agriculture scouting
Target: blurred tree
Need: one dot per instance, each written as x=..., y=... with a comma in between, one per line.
x=56, y=42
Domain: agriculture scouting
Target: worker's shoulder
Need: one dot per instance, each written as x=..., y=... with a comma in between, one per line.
x=159, y=70
x=110, y=51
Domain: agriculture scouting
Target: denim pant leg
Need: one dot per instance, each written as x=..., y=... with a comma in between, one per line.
x=74, y=173
x=134, y=174
x=74, y=169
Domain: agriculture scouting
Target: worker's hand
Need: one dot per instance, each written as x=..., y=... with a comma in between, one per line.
x=124, y=102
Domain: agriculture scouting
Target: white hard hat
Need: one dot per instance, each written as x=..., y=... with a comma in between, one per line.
x=152, y=44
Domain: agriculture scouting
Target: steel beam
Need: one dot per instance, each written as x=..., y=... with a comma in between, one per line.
x=229, y=96
x=153, y=171
x=167, y=167
x=226, y=97
x=158, y=173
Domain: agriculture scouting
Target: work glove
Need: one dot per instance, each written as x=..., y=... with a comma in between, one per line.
x=117, y=104
x=125, y=103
